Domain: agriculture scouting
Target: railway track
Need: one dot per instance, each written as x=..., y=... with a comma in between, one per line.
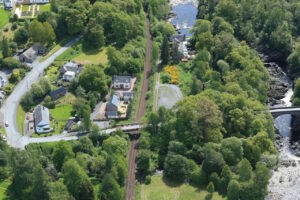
x=133, y=152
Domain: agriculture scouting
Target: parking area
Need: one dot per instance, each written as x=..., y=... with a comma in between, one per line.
x=169, y=95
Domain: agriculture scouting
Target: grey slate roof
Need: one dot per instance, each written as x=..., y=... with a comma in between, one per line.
x=58, y=91
x=41, y=113
x=122, y=79
x=114, y=100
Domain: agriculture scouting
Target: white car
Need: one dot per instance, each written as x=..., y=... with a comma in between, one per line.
x=6, y=124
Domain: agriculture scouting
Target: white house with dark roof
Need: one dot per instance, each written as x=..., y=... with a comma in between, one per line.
x=122, y=82
x=41, y=119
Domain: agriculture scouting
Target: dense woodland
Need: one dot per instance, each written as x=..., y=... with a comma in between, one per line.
x=94, y=167
x=220, y=136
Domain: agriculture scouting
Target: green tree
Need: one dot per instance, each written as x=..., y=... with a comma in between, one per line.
x=213, y=162
x=232, y=150
x=5, y=48
x=110, y=189
x=200, y=119
x=245, y=170
x=77, y=182
x=210, y=187
x=94, y=35
x=177, y=167
x=143, y=161
x=40, y=184
x=21, y=36
x=164, y=55
x=58, y=191
x=97, y=79
x=233, y=190
x=61, y=153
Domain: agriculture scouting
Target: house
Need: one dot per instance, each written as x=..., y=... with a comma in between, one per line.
x=68, y=76
x=71, y=67
x=122, y=82
x=41, y=119
x=70, y=124
x=31, y=54
x=32, y=1
x=127, y=97
x=112, y=107
x=9, y=4
x=56, y=94
x=177, y=38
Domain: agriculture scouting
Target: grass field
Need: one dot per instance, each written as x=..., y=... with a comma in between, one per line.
x=77, y=54
x=20, y=119
x=45, y=7
x=53, y=74
x=3, y=187
x=4, y=17
x=166, y=190
x=93, y=57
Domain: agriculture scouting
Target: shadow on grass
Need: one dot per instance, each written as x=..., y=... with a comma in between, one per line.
x=171, y=183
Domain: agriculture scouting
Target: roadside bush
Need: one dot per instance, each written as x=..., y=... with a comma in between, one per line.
x=148, y=180
x=166, y=78
x=10, y=63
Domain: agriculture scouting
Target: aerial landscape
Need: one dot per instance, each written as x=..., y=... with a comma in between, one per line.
x=149, y=99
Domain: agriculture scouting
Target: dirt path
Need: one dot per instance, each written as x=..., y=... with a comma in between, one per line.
x=133, y=152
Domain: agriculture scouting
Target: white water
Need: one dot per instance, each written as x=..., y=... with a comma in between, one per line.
x=285, y=181
x=177, y=2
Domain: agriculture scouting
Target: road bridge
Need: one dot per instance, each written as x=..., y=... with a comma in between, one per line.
x=277, y=111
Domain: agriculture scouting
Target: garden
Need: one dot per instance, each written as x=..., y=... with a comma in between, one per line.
x=4, y=17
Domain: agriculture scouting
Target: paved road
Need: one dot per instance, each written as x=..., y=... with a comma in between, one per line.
x=9, y=109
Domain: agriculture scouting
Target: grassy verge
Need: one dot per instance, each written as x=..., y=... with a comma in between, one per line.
x=4, y=17
x=3, y=188
x=167, y=190
x=56, y=48
x=138, y=188
x=20, y=119
x=185, y=79
x=2, y=130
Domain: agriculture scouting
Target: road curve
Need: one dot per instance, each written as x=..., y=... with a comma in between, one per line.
x=10, y=107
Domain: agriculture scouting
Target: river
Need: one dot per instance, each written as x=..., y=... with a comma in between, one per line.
x=285, y=181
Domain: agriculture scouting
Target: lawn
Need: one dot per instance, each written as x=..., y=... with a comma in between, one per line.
x=93, y=57
x=166, y=190
x=3, y=187
x=44, y=8
x=20, y=119
x=25, y=8
x=185, y=79
x=53, y=74
x=62, y=112
x=77, y=54
x=4, y=17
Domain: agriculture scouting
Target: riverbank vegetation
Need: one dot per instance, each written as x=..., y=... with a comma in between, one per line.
x=219, y=137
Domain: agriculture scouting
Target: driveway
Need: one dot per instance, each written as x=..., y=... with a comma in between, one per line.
x=10, y=107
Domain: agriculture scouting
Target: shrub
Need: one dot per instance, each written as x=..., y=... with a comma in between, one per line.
x=173, y=73
x=148, y=180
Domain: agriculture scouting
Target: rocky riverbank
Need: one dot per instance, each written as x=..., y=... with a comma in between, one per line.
x=278, y=86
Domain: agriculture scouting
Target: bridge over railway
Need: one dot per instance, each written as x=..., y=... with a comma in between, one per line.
x=277, y=111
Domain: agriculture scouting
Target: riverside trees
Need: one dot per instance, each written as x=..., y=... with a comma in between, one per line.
x=220, y=135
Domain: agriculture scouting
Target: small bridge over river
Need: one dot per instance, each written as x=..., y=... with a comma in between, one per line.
x=277, y=111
